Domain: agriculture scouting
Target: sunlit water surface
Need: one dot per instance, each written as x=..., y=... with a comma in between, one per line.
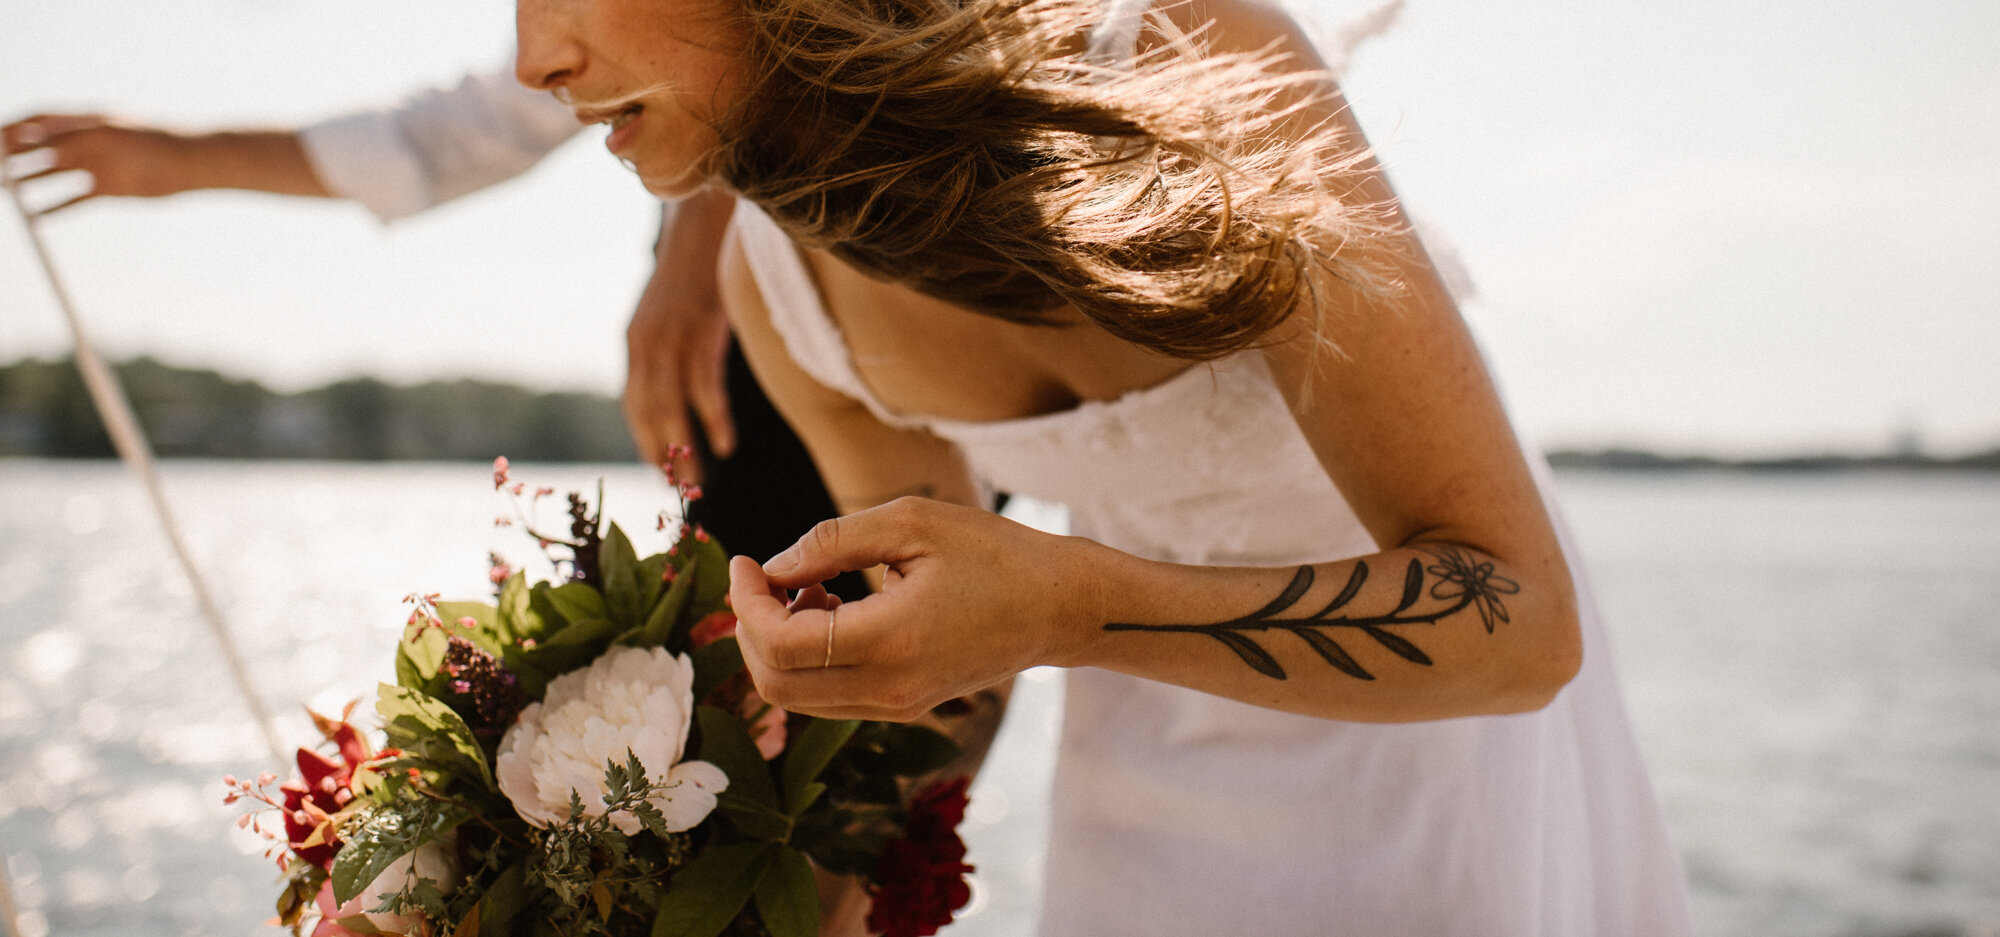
x=1813, y=663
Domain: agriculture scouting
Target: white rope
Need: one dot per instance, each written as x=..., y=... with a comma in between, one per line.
x=130, y=441
x=10, y=915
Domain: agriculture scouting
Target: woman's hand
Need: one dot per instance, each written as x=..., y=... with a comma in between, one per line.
x=147, y=162
x=968, y=600
x=121, y=160
x=678, y=337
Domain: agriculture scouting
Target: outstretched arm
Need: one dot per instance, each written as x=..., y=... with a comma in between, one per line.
x=434, y=146
x=126, y=160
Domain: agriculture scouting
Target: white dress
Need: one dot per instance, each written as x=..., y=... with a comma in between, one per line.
x=1180, y=813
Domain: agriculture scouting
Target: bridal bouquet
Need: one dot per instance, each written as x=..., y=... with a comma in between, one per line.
x=588, y=756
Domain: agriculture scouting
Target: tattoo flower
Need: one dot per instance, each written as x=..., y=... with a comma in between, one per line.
x=1473, y=583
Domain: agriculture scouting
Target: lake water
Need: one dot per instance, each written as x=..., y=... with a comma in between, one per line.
x=1813, y=663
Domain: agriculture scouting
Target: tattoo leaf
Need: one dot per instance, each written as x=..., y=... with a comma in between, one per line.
x=1462, y=582
x=1413, y=584
x=1403, y=648
x=1347, y=592
x=1258, y=658
x=1334, y=654
x=1296, y=590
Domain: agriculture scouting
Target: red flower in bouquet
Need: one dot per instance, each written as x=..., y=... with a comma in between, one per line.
x=712, y=628
x=923, y=873
x=323, y=787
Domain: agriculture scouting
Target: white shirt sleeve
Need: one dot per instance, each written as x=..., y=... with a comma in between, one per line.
x=437, y=145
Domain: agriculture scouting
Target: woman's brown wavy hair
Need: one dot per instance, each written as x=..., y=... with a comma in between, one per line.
x=967, y=149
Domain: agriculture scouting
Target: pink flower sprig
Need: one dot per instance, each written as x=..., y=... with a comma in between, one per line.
x=258, y=790
x=423, y=612
x=687, y=493
x=525, y=517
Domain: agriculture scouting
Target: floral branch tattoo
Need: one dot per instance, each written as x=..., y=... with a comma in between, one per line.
x=1457, y=578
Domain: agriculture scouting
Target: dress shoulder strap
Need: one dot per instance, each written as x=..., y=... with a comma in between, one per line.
x=1116, y=37
x=792, y=298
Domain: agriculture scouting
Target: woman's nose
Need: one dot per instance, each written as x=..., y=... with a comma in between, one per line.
x=545, y=55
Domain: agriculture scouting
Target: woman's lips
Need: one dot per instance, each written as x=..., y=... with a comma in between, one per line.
x=620, y=121
x=624, y=128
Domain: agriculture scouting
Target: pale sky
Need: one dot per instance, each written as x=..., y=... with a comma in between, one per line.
x=1697, y=225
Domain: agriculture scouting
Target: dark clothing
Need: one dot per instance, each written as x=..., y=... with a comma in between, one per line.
x=768, y=494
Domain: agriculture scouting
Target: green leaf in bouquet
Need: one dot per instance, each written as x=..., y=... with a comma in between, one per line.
x=708, y=892
x=619, y=565
x=841, y=841
x=577, y=601
x=808, y=755
x=468, y=926
x=418, y=656
x=519, y=621
x=727, y=745
x=714, y=664
x=503, y=902
x=485, y=631
x=383, y=835
x=590, y=634
x=659, y=629
x=911, y=750
x=542, y=607
x=571, y=648
x=787, y=897
x=753, y=819
x=302, y=883
x=706, y=566
x=519, y=661
x=652, y=582
x=425, y=727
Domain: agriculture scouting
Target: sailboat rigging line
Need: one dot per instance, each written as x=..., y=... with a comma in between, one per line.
x=10, y=914
x=130, y=440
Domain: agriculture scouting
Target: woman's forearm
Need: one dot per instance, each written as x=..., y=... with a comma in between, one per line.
x=260, y=160
x=1430, y=631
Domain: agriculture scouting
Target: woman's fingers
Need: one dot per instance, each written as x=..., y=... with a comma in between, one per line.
x=879, y=536
x=961, y=610
x=775, y=635
x=43, y=129
x=654, y=409
x=705, y=383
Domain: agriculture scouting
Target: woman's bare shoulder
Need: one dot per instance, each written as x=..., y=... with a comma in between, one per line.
x=1241, y=26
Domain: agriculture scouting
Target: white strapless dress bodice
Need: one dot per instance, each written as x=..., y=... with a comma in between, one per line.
x=1180, y=813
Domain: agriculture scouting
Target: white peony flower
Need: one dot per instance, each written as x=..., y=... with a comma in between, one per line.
x=637, y=700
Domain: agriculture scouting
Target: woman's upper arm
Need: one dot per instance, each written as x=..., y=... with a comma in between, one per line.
x=1389, y=389
x=863, y=461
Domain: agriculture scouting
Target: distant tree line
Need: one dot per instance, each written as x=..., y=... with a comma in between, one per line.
x=198, y=413
x=1642, y=460
x=45, y=411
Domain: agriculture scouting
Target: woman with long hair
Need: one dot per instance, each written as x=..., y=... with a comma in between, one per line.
x=1330, y=667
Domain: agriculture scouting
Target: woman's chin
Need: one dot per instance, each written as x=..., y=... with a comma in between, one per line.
x=671, y=186
x=665, y=191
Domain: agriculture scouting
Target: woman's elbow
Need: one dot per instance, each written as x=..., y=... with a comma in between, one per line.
x=1549, y=661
